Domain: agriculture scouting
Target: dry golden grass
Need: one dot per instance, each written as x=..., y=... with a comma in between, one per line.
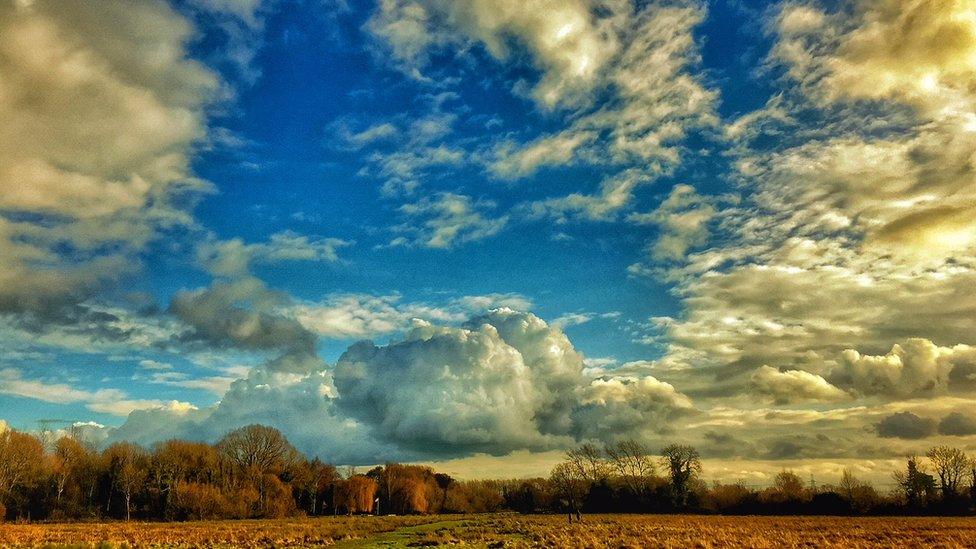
x=298, y=532
x=507, y=530
x=615, y=531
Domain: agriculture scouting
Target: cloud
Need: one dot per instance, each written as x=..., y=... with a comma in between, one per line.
x=364, y=315
x=623, y=407
x=402, y=152
x=620, y=77
x=301, y=405
x=854, y=232
x=378, y=132
x=502, y=382
x=96, y=142
x=233, y=258
x=571, y=319
x=913, y=368
x=794, y=386
x=908, y=196
x=957, y=424
x=616, y=193
x=154, y=365
x=566, y=42
x=805, y=315
x=914, y=54
x=557, y=150
x=906, y=425
x=447, y=220
x=919, y=52
x=240, y=313
x=108, y=401
x=683, y=218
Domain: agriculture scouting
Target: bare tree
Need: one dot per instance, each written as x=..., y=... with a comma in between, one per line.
x=682, y=463
x=569, y=484
x=21, y=463
x=950, y=466
x=128, y=467
x=972, y=479
x=848, y=484
x=588, y=461
x=632, y=461
x=69, y=456
x=257, y=446
x=789, y=486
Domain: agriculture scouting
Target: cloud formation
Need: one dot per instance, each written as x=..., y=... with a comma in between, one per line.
x=794, y=386
x=366, y=316
x=109, y=401
x=906, y=425
x=620, y=75
x=102, y=107
x=446, y=220
x=957, y=424
x=914, y=368
x=502, y=382
x=918, y=54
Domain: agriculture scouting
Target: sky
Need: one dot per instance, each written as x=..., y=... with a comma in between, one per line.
x=478, y=233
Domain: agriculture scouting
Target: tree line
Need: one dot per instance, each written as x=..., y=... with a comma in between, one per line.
x=254, y=472
x=626, y=477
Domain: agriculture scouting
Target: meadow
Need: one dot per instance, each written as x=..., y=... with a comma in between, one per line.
x=508, y=530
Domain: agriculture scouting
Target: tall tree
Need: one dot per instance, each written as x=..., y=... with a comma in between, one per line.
x=569, y=484
x=67, y=464
x=789, y=486
x=916, y=484
x=848, y=484
x=257, y=446
x=179, y=461
x=258, y=453
x=682, y=463
x=589, y=463
x=950, y=464
x=21, y=467
x=632, y=462
x=444, y=482
x=128, y=467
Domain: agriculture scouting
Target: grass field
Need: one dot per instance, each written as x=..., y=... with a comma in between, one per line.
x=596, y=531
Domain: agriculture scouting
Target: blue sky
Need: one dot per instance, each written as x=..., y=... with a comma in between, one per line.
x=752, y=216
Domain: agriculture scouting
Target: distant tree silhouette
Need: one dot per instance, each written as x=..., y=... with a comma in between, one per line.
x=588, y=462
x=633, y=464
x=444, y=482
x=790, y=486
x=917, y=485
x=951, y=465
x=569, y=484
x=254, y=472
x=682, y=464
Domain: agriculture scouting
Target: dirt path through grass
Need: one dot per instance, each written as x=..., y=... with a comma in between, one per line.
x=408, y=536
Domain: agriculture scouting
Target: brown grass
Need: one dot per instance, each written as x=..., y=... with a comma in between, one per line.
x=597, y=531
x=298, y=532
x=615, y=531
